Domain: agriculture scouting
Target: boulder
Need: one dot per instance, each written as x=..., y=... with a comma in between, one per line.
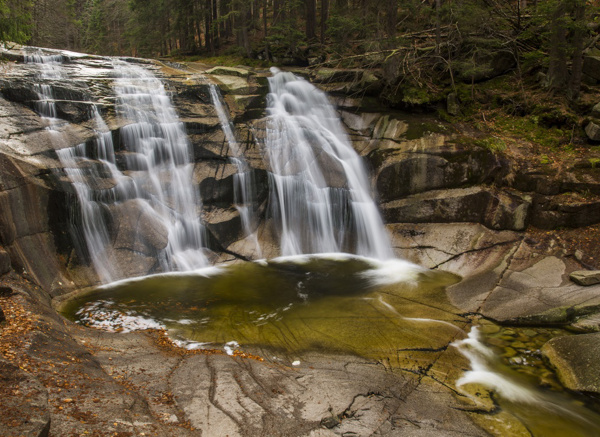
x=137, y=228
x=4, y=262
x=596, y=110
x=452, y=106
x=592, y=130
x=585, y=277
x=233, y=85
x=551, y=212
x=390, y=128
x=224, y=224
x=591, y=67
x=28, y=413
x=229, y=71
x=216, y=181
x=403, y=173
x=490, y=207
x=330, y=75
x=576, y=360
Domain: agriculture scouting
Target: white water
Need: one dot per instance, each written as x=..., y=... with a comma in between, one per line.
x=320, y=194
x=243, y=188
x=319, y=191
x=521, y=398
x=156, y=183
x=159, y=163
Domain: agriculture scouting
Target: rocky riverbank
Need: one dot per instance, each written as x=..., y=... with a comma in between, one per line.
x=513, y=227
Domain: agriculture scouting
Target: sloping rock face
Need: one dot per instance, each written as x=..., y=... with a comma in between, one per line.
x=38, y=203
x=449, y=203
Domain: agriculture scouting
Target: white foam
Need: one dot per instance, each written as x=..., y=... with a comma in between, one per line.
x=482, y=373
x=205, y=272
x=230, y=347
x=115, y=321
x=391, y=271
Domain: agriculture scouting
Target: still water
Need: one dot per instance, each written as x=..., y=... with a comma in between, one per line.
x=393, y=312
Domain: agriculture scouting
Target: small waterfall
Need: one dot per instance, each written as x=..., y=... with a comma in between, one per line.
x=50, y=68
x=159, y=163
x=320, y=196
x=543, y=412
x=85, y=176
x=243, y=188
x=152, y=196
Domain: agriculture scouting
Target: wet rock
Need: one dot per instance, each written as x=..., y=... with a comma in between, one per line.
x=329, y=75
x=362, y=123
x=591, y=67
x=390, y=128
x=224, y=223
x=4, y=262
x=551, y=212
x=495, y=209
x=229, y=71
x=216, y=181
x=452, y=106
x=401, y=174
x=592, y=130
x=535, y=290
x=585, y=277
x=233, y=85
x=576, y=360
x=437, y=245
x=24, y=401
x=596, y=110
x=137, y=228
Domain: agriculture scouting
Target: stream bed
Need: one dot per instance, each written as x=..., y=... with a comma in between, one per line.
x=393, y=312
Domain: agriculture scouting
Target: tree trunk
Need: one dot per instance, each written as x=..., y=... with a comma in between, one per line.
x=311, y=19
x=277, y=11
x=391, y=18
x=215, y=28
x=208, y=31
x=558, y=74
x=578, y=43
x=324, y=18
x=266, y=28
x=438, y=25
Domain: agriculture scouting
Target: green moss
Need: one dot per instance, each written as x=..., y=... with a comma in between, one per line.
x=418, y=96
x=419, y=130
x=494, y=144
x=530, y=129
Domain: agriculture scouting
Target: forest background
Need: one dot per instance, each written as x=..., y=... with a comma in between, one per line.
x=421, y=52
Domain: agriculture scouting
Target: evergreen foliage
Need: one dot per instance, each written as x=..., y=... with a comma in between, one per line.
x=420, y=45
x=15, y=20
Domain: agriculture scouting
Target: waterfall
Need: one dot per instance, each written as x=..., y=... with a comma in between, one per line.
x=148, y=191
x=159, y=163
x=243, y=188
x=136, y=196
x=320, y=193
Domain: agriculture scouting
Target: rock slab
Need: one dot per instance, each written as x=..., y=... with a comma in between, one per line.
x=585, y=277
x=4, y=262
x=577, y=361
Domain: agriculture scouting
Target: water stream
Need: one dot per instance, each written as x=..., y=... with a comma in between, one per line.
x=151, y=186
x=244, y=185
x=313, y=298
x=320, y=192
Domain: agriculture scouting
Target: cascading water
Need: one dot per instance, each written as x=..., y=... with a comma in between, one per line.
x=320, y=195
x=155, y=190
x=159, y=163
x=50, y=69
x=243, y=188
x=560, y=415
